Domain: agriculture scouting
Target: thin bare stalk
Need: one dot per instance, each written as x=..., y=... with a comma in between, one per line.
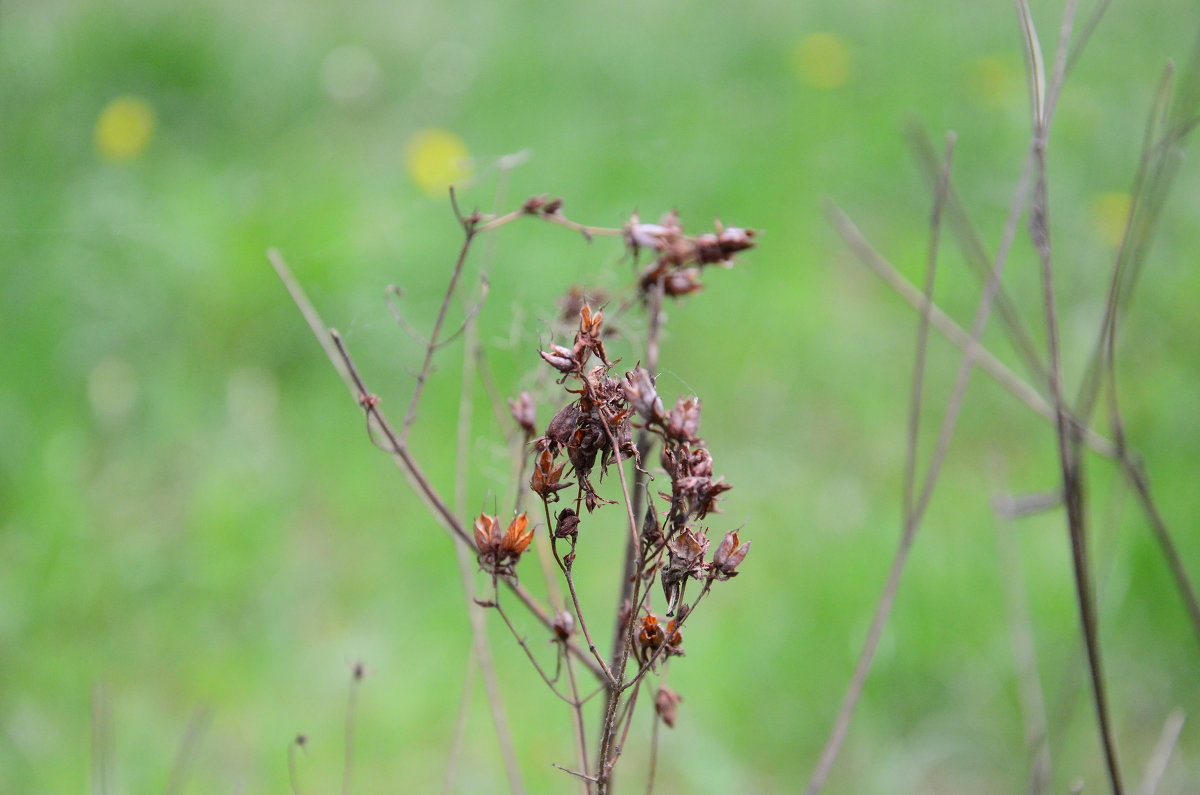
x=550, y=681
x=294, y=747
x=469, y=231
x=335, y=348
x=101, y=738
x=652, y=772
x=608, y=728
x=566, y=572
x=460, y=724
x=953, y=332
x=1029, y=684
x=1157, y=766
x=958, y=220
x=348, y=738
x=912, y=522
x=917, y=393
x=466, y=566
x=1069, y=459
x=192, y=735
x=580, y=728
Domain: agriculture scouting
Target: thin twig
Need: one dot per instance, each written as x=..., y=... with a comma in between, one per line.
x=883, y=607
x=101, y=738
x=653, y=771
x=604, y=771
x=1029, y=685
x=460, y=724
x=466, y=567
x=566, y=571
x=550, y=681
x=295, y=746
x=335, y=348
x=1163, y=749
x=959, y=222
x=188, y=744
x=580, y=728
x=431, y=347
x=1069, y=459
x=918, y=382
x=348, y=739
x=953, y=332
x=575, y=773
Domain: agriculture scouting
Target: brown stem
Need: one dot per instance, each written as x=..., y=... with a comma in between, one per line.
x=608, y=727
x=550, y=682
x=1068, y=445
x=580, y=729
x=578, y=611
x=335, y=348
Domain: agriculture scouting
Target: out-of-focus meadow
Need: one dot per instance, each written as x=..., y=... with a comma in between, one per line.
x=195, y=530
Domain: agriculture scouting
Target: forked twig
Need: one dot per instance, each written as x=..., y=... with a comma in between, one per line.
x=334, y=347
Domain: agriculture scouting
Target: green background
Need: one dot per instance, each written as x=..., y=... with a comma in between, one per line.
x=192, y=521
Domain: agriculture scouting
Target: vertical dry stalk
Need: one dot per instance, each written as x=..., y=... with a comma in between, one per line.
x=1171, y=120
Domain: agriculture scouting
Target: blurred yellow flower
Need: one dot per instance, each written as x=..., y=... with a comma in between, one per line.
x=822, y=60
x=1110, y=214
x=991, y=80
x=436, y=158
x=124, y=128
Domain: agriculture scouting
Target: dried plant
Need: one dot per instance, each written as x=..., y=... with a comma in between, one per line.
x=606, y=421
x=1174, y=113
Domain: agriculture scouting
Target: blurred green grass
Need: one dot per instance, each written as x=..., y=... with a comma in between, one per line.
x=190, y=514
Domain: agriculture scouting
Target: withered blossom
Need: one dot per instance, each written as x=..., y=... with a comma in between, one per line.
x=545, y=481
x=517, y=538
x=567, y=524
x=588, y=338
x=561, y=429
x=564, y=625
x=685, y=559
x=647, y=236
x=666, y=704
x=498, y=553
x=541, y=205
x=729, y=555
x=684, y=420
x=651, y=635
x=560, y=358
x=487, y=532
x=682, y=282
x=639, y=389
x=524, y=413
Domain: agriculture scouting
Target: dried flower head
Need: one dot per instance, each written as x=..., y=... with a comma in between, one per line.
x=652, y=635
x=639, y=390
x=684, y=420
x=525, y=413
x=517, y=538
x=666, y=704
x=682, y=282
x=498, y=553
x=564, y=625
x=546, y=477
x=567, y=524
x=560, y=358
x=487, y=532
x=729, y=556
